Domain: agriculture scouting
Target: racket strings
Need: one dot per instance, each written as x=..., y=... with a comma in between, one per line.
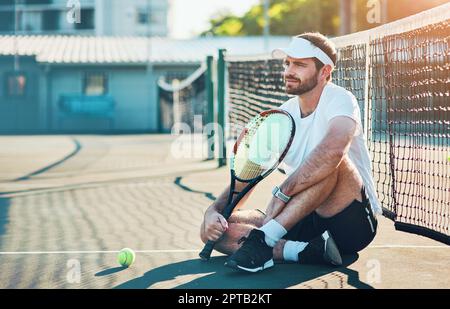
x=260, y=149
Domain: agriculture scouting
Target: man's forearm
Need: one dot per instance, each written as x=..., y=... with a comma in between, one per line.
x=220, y=202
x=320, y=163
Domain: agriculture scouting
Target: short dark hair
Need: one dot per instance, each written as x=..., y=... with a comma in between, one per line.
x=322, y=42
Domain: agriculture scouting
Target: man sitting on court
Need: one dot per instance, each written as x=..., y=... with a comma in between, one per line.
x=326, y=206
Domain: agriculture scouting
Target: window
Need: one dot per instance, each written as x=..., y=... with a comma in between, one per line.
x=87, y=21
x=6, y=21
x=7, y=2
x=95, y=84
x=16, y=85
x=50, y=20
x=37, y=1
x=142, y=16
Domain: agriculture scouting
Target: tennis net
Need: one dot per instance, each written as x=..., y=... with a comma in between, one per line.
x=183, y=102
x=399, y=73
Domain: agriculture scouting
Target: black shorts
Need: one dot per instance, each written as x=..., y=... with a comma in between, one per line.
x=353, y=228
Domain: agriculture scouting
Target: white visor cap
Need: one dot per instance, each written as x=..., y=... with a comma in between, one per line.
x=302, y=48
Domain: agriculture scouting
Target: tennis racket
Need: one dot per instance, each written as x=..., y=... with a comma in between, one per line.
x=261, y=146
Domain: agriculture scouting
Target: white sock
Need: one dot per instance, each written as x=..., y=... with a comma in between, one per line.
x=292, y=249
x=274, y=232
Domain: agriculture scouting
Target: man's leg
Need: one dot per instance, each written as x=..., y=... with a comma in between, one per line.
x=304, y=203
x=332, y=195
x=346, y=190
x=257, y=251
x=242, y=222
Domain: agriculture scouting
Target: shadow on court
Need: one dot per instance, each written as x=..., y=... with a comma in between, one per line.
x=47, y=168
x=110, y=271
x=215, y=276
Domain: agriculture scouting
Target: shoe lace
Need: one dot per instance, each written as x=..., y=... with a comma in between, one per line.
x=240, y=241
x=313, y=252
x=247, y=247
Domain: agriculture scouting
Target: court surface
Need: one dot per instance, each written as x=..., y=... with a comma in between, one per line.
x=68, y=204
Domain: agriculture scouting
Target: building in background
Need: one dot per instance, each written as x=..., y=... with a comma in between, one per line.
x=97, y=17
x=92, y=84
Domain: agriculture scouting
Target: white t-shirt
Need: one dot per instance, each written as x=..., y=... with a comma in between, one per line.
x=334, y=101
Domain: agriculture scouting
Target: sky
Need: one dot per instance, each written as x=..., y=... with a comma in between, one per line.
x=190, y=17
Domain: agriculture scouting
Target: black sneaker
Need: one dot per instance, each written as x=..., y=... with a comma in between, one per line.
x=254, y=255
x=322, y=249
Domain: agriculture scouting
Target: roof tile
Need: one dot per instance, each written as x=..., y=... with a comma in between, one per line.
x=61, y=49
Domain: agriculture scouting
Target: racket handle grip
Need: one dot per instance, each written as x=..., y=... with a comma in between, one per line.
x=205, y=254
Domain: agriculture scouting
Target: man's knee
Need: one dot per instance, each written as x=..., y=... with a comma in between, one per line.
x=348, y=169
x=228, y=242
x=239, y=221
x=202, y=233
x=344, y=170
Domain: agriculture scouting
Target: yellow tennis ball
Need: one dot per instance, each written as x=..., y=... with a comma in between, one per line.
x=448, y=158
x=126, y=257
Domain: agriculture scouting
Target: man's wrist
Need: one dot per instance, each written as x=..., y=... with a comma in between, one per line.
x=284, y=188
x=280, y=195
x=212, y=209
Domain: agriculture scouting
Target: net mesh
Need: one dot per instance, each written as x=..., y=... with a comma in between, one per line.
x=400, y=78
x=183, y=103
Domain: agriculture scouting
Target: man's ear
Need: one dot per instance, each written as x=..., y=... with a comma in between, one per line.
x=326, y=71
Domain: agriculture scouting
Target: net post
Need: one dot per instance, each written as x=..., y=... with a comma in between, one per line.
x=221, y=107
x=158, y=111
x=367, y=101
x=210, y=102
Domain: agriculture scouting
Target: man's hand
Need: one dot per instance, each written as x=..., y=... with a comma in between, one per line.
x=214, y=225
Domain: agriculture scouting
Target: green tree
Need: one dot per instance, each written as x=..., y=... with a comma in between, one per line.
x=291, y=17
x=287, y=17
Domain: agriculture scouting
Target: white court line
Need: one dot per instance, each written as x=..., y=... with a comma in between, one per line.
x=408, y=246
x=95, y=252
x=195, y=250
